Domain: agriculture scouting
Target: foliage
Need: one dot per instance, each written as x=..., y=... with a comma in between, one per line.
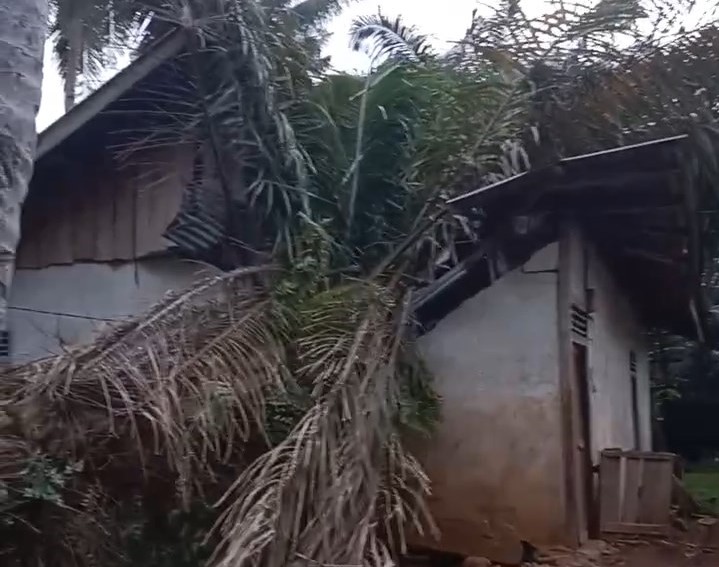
x=177, y=540
x=389, y=38
x=45, y=480
x=182, y=396
x=683, y=370
x=87, y=33
x=703, y=484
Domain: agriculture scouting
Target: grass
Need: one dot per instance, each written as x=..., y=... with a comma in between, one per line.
x=702, y=482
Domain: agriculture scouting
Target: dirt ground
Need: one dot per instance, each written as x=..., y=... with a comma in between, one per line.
x=640, y=553
x=678, y=551
x=652, y=557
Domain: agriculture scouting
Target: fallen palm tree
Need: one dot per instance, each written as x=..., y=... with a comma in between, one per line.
x=278, y=412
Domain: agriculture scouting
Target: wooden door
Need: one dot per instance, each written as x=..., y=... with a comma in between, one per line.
x=583, y=444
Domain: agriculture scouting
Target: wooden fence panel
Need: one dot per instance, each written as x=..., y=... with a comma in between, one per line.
x=635, y=492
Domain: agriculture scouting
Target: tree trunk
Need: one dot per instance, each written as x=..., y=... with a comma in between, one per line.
x=23, y=26
x=74, y=55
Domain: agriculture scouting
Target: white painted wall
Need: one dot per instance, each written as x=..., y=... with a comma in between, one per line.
x=100, y=290
x=615, y=331
x=496, y=463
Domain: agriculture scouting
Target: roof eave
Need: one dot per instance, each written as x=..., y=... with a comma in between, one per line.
x=164, y=49
x=696, y=307
x=474, y=197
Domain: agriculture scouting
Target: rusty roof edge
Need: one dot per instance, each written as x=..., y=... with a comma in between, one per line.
x=165, y=48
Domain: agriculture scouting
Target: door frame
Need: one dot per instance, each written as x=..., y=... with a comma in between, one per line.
x=574, y=389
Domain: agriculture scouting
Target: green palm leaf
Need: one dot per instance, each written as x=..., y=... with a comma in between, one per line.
x=383, y=37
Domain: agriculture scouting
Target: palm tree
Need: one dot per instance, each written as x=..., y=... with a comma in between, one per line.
x=85, y=32
x=82, y=32
x=22, y=37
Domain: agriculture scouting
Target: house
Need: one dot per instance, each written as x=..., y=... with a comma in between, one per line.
x=103, y=235
x=538, y=342
x=537, y=338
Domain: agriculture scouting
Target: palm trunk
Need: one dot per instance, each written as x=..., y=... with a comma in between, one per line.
x=23, y=26
x=74, y=54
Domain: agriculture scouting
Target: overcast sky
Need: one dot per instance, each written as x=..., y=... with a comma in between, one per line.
x=444, y=22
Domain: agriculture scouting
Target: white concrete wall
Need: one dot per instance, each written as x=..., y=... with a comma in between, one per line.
x=615, y=331
x=496, y=461
x=99, y=290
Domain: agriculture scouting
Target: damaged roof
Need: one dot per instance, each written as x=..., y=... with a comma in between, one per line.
x=132, y=115
x=633, y=203
x=630, y=200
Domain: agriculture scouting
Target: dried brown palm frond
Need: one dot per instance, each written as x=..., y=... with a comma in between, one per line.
x=340, y=478
x=163, y=408
x=667, y=91
x=171, y=409
x=593, y=75
x=185, y=381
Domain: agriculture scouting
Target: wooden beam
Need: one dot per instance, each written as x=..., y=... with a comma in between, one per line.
x=637, y=181
x=669, y=243
x=571, y=503
x=446, y=280
x=631, y=232
x=649, y=256
x=637, y=210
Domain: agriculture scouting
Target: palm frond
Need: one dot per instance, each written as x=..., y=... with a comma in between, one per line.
x=314, y=13
x=86, y=35
x=314, y=497
x=139, y=372
x=384, y=37
x=179, y=393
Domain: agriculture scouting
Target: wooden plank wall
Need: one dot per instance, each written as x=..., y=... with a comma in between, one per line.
x=110, y=214
x=635, y=490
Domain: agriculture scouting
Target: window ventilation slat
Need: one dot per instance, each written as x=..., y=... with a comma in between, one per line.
x=580, y=321
x=4, y=346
